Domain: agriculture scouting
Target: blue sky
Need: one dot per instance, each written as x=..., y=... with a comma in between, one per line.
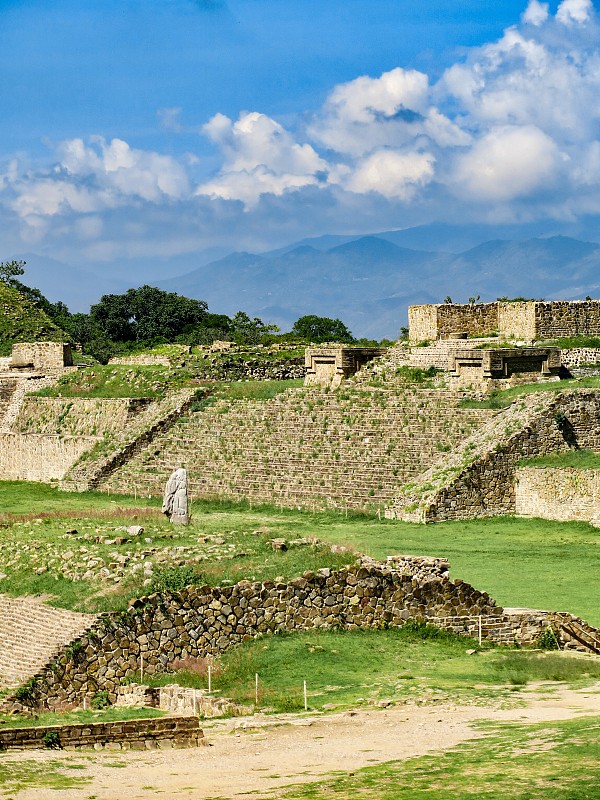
x=160, y=128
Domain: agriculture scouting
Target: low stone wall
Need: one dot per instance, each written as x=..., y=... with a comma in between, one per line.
x=561, y=494
x=579, y=356
x=42, y=356
x=34, y=457
x=133, y=734
x=206, y=621
x=179, y=700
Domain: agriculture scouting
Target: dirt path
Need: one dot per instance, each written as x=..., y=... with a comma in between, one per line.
x=251, y=757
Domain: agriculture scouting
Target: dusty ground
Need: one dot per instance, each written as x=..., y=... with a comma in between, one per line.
x=250, y=757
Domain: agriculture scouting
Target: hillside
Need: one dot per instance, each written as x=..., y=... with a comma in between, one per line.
x=22, y=321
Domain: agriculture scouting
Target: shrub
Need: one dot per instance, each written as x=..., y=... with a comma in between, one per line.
x=174, y=579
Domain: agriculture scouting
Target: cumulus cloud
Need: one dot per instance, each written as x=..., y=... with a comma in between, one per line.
x=90, y=177
x=574, y=11
x=536, y=13
x=260, y=157
x=509, y=162
x=392, y=174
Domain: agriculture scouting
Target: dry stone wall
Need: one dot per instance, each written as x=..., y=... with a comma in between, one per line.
x=42, y=356
x=306, y=447
x=441, y=321
x=206, y=621
x=561, y=494
x=478, y=479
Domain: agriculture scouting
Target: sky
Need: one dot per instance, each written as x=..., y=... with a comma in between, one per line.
x=163, y=128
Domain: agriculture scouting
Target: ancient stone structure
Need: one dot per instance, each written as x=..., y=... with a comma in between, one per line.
x=46, y=357
x=305, y=447
x=530, y=320
x=477, y=367
x=177, y=699
x=133, y=734
x=35, y=457
x=561, y=494
x=478, y=478
x=329, y=365
x=206, y=621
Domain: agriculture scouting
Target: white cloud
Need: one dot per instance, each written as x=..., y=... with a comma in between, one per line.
x=260, y=157
x=578, y=11
x=392, y=174
x=389, y=111
x=507, y=163
x=536, y=13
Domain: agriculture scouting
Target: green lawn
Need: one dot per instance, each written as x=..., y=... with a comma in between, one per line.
x=520, y=562
x=415, y=663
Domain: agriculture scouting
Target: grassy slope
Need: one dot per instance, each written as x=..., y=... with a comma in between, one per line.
x=21, y=321
x=530, y=563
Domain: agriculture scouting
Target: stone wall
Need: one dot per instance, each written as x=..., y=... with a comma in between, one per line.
x=177, y=699
x=441, y=321
x=34, y=457
x=133, y=734
x=561, y=494
x=529, y=320
x=206, y=621
x=517, y=320
x=77, y=416
x=305, y=447
x=563, y=318
x=42, y=356
x=580, y=356
x=478, y=478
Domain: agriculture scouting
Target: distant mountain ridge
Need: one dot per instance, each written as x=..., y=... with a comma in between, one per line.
x=367, y=281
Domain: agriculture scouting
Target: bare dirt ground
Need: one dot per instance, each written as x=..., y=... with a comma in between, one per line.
x=253, y=756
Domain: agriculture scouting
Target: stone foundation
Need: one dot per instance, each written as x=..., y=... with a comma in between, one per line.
x=328, y=366
x=133, y=734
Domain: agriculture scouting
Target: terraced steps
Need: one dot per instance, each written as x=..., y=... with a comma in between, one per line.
x=307, y=447
x=31, y=632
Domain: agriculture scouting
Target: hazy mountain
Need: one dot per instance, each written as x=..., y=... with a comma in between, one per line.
x=367, y=281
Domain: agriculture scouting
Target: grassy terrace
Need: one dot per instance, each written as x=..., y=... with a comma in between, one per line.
x=573, y=459
x=502, y=399
x=520, y=562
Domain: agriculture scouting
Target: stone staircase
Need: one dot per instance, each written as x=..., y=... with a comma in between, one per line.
x=31, y=632
x=306, y=447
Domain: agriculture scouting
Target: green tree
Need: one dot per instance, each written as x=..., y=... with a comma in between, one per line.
x=249, y=331
x=9, y=269
x=321, y=329
x=146, y=315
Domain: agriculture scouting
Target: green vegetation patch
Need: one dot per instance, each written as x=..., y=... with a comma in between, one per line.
x=416, y=663
x=22, y=321
x=117, y=380
x=20, y=775
x=552, y=760
x=573, y=459
x=111, y=714
x=503, y=398
x=529, y=563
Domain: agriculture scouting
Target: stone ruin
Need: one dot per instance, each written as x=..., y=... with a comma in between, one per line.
x=329, y=365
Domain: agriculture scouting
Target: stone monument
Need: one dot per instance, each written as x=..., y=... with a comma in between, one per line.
x=175, y=501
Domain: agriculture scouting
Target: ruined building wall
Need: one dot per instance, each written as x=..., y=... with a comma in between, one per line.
x=561, y=494
x=517, y=321
x=34, y=457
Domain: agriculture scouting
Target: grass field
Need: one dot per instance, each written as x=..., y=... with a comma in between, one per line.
x=520, y=562
x=416, y=663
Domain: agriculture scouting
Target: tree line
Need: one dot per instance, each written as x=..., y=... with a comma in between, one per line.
x=147, y=316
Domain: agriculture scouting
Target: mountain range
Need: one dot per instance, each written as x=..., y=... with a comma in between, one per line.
x=367, y=281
